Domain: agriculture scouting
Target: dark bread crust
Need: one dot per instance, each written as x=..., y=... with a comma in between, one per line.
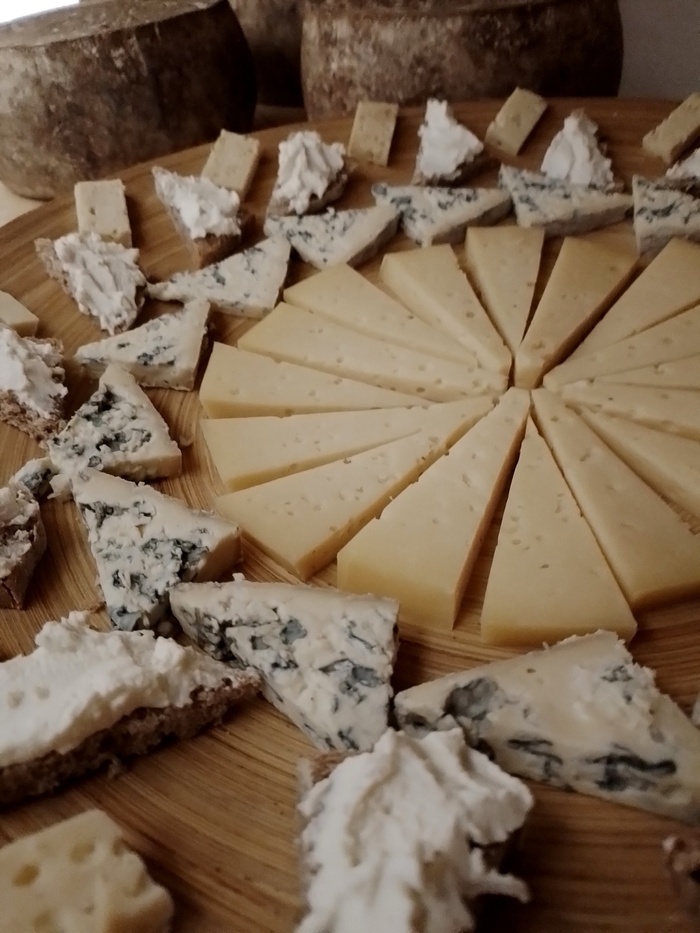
x=13, y=412
x=475, y=166
x=13, y=587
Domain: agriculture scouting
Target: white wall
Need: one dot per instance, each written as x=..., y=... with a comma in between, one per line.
x=662, y=48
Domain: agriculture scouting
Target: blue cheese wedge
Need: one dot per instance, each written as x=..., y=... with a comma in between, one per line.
x=685, y=174
x=442, y=215
x=143, y=543
x=36, y=475
x=661, y=213
x=335, y=237
x=581, y=715
x=559, y=207
x=247, y=284
x=325, y=657
x=164, y=352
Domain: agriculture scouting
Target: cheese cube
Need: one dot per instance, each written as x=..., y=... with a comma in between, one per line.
x=100, y=207
x=515, y=121
x=680, y=128
x=372, y=132
x=232, y=162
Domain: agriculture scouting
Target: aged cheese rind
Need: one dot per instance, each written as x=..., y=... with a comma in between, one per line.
x=233, y=161
x=100, y=207
x=372, y=132
x=662, y=213
x=15, y=315
x=680, y=128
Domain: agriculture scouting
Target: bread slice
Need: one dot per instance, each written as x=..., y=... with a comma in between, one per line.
x=37, y=406
x=299, y=155
x=681, y=856
x=22, y=543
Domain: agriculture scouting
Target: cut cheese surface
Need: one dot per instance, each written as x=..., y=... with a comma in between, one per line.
x=546, y=552
x=504, y=262
x=430, y=283
x=304, y=519
x=298, y=336
x=15, y=315
x=422, y=548
x=239, y=384
x=653, y=553
x=678, y=374
x=585, y=279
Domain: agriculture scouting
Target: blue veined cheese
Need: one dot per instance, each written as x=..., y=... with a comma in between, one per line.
x=326, y=657
x=581, y=715
x=246, y=284
x=686, y=173
x=559, y=207
x=661, y=213
x=442, y=215
x=164, y=352
x=143, y=543
x=335, y=237
x=36, y=475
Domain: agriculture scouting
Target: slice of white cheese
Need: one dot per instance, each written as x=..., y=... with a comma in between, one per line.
x=653, y=553
x=325, y=657
x=422, y=548
x=585, y=279
x=164, y=351
x=430, y=283
x=239, y=384
x=335, y=237
x=15, y=315
x=678, y=374
x=246, y=284
x=514, y=122
x=298, y=336
x=661, y=213
x=144, y=542
x=100, y=207
x=441, y=215
x=504, y=262
x=558, y=207
x=680, y=128
x=345, y=296
x=304, y=519
x=580, y=715
x=233, y=161
x=546, y=552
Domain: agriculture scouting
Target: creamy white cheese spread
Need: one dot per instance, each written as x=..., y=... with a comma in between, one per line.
x=26, y=370
x=307, y=168
x=688, y=168
x=203, y=207
x=17, y=508
x=575, y=156
x=445, y=145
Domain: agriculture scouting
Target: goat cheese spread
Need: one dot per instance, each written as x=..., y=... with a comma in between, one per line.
x=574, y=154
x=17, y=510
x=27, y=369
x=307, y=168
x=446, y=145
x=202, y=207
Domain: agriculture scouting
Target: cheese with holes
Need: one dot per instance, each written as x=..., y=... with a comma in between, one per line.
x=661, y=213
x=514, y=122
x=100, y=207
x=232, y=162
x=678, y=374
x=372, y=132
x=680, y=128
x=15, y=315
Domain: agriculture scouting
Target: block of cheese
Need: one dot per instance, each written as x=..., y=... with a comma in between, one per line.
x=422, y=548
x=545, y=553
x=674, y=134
x=678, y=374
x=430, y=283
x=580, y=715
x=100, y=207
x=298, y=336
x=504, y=262
x=515, y=121
x=80, y=875
x=233, y=161
x=669, y=284
x=343, y=295
x=304, y=519
x=585, y=279
x=652, y=552
x=372, y=131
x=15, y=315
x=239, y=384
x=661, y=213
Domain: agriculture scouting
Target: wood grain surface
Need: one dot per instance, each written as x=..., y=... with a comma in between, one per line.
x=215, y=816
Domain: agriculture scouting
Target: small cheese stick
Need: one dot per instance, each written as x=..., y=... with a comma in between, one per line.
x=372, y=132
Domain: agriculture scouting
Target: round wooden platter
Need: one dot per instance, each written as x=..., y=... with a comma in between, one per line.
x=215, y=816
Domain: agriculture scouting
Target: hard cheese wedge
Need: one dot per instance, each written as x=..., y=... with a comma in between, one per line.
x=653, y=553
x=678, y=374
x=546, y=553
x=422, y=548
x=661, y=213
x=240, y=384
x=504, y=262
x=430, y=283
x=304, y=519
x=325, y=657
x=298, y=336
x=15, y=315
x=580, y=715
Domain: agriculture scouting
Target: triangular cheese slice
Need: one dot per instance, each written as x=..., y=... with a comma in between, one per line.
x=653, y=553
x=422, y=548
x=585, y=279
x=348, y=298
x=336, y=237
x=325, y=657
x=164, y=352
x=144, y=542
x=304, y=519
x=441, y=215
x=307, y=339
x=559, y=207
x=249, y=451
x=678, y=374
x=430, y=283
x=546, y=552
x=246, y=284
x=661, y=213
x=504, y=262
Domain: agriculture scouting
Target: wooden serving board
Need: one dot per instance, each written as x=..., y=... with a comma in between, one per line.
x=215, y=816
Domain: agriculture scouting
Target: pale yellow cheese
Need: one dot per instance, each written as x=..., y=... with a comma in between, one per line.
x=430, y=283
x=100, y=208
x=676, y=132
x=422, y=548
x=15, y=315
x=653, y=553
x=515, y=121
x=233, y=161
x=304, y=519
x=549, y=578
x=585, y=279
x=504, y=262
x=240, y=384
x=299, y=336
x=372, y=131
x=678, y=374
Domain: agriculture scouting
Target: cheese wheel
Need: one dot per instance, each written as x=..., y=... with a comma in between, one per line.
x=273, y=31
